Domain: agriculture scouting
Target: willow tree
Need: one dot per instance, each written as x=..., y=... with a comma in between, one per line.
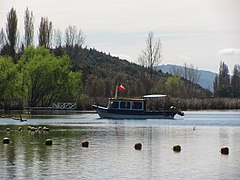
x=48, y=78
x=10, y=82
x=151, y=56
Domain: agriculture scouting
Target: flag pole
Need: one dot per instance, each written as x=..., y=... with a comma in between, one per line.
x=116, y=91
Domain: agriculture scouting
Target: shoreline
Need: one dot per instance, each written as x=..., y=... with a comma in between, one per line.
x=66, y=112
x=46, y=112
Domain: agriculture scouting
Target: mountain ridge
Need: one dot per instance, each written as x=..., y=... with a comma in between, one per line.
x=206, y=77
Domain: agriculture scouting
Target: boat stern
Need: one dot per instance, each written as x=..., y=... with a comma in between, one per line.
x=176, y=111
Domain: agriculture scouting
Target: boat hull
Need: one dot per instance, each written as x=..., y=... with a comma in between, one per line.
x=126, y=114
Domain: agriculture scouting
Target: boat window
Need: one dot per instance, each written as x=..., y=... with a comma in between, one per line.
x=137, y=105
x=114, y=105
x=125, y=105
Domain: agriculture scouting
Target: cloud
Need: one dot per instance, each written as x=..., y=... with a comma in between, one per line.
x=229, y=52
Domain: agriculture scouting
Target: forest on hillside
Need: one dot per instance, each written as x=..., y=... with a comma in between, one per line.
x=61, y=68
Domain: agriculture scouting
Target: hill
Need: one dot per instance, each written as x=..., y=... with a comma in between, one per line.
x=101, y=73
x=206, y=77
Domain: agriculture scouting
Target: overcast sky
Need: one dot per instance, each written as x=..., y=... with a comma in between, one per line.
x=198, y=32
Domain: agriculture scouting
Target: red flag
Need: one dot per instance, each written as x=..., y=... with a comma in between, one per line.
x=121, y=88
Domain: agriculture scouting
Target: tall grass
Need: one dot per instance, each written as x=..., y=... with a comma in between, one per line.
x=206, y=103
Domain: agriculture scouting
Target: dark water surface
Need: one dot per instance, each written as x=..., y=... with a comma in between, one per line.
x=111, y=153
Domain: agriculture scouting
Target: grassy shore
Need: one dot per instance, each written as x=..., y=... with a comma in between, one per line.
x=206, y=103
x=181, y=103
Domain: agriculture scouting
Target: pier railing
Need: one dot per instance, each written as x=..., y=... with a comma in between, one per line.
x=56, y=106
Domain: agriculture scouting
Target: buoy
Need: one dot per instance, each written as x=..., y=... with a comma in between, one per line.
x=225, y=150
x=8, y=129
x=33, y=129
x=177, y=148
x=48, y=142
x=6, y=140
x=85, y=144
x=138, y=146
x=45, y=129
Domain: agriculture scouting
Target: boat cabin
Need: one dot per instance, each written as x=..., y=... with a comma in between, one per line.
x=127, y=104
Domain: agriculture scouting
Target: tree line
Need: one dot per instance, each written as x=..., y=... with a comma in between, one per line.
x=12, y=45
x=62, y=69
x=226, y=85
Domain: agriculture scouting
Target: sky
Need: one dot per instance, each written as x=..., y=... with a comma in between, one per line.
x=197, y=32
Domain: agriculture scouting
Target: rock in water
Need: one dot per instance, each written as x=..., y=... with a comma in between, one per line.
x=138, y=146
x=6, y=140
x=225, y=150
x=48, y=142
x=177, y=148
x=85, y=144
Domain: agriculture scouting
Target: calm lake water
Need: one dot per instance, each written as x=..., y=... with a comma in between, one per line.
x=111, y=153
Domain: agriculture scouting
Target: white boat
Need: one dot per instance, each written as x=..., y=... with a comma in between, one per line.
x=130, y=108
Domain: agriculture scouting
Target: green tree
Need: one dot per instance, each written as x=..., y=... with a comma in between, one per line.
x=235, y=81
x=222, y=82
x=191, y=74
x=95, y=87
x=10, y=86
x=45, y=33
x=74, y=87
x=28, y=27
x=216, y=86
x=48, y=78
x=11, y=33
x=174, y=86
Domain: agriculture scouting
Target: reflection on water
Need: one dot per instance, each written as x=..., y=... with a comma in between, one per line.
x=111, y=153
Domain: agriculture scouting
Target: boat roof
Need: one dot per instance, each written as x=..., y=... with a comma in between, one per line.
x=139, y=99
x=126, y=99
x=154, y=96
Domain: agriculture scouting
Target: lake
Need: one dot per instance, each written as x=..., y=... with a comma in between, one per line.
x=111, y=153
